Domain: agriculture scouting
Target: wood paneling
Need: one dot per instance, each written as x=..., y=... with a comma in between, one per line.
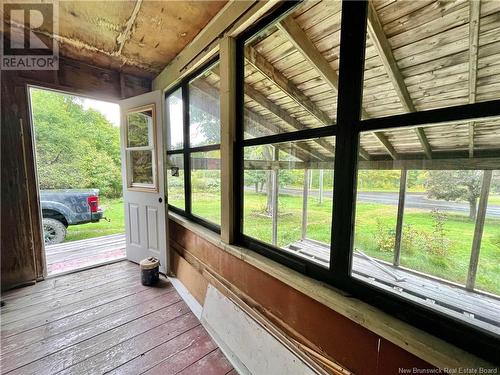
x=22, y=258
x=298, y=315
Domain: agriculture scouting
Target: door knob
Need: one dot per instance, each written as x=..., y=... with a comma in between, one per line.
x=160, y=200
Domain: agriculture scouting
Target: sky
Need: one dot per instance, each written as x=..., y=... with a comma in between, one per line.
x=110, y=110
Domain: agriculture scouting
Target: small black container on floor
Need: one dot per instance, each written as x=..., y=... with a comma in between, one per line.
x=150, y=271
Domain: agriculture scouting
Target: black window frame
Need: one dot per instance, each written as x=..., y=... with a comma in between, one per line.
x=347, y=131
x=187, y=150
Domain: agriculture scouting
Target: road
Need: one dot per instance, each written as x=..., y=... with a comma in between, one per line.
x=413, y=200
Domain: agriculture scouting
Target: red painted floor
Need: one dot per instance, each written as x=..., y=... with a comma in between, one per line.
x=103, y=320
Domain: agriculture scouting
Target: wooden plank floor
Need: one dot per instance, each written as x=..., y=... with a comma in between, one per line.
x=103, y=320
x=74, y=255
x=478, y=309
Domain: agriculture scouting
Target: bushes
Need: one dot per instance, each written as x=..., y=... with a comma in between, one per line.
x=434, y=244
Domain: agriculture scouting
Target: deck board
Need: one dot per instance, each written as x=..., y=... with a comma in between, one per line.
x=103, y=324
x=73, y=255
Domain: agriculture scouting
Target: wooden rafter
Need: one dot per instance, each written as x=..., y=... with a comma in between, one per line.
x=474, y=20
x=306, y=47
x=288, y=87
x=384, y=49
x=279, y=112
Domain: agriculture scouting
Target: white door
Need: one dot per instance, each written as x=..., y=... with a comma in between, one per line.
x=142, y=170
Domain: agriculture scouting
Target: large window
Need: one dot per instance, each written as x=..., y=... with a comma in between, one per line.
x=288, y=135
x=372, y=161
x=423, y=226
x=193, y=144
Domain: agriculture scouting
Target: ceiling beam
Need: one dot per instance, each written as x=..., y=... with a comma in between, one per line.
x=387, y=145
x=291, y=29
x=474, y=20
x=268, y=70
x=384, y=50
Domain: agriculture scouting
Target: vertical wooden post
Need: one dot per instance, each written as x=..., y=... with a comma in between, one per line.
x=275, y=190
x=478, y=230
x=399, y=223
x=307, y=174
x=227, y=132
x=321, y=171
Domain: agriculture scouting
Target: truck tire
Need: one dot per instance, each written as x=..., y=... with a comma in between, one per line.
x=53, y=231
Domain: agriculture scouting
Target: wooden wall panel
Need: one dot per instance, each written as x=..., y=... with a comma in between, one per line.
x=305, y=319
x=21, y=240
x=190, y=278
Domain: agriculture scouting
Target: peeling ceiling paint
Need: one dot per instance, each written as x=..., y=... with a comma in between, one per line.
x=139, y=37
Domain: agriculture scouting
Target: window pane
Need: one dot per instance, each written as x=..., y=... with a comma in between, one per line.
x=205, y=185
x=175, y=115
x=175, y=180
x=141, y=165
x=204, y=109
x=277, y=178
x=418, y=56
x=291, y=70
x=416, y=218
x=140, y=128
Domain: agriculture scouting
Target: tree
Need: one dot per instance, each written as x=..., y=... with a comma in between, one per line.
x=456, y=185
x=75, y=147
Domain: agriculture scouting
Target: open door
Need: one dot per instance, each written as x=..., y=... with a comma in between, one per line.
x=142, y=170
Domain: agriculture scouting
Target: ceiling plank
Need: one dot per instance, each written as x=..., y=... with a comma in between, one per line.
x=384, y=50
x=474, y=21
x=268, y=70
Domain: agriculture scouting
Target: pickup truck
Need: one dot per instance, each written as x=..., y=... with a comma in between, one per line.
x=61, y=208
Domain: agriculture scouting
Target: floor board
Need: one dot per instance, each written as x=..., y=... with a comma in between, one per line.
x=103, y=320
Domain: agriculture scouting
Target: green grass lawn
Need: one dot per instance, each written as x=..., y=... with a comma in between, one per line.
x=113, y=211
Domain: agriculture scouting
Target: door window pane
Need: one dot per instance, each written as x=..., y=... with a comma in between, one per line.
x=175, y=180
x=141, y=164
x=286, y=202
x=205, y=185
x=204, y=109
x=175, y=116
x=140, y=129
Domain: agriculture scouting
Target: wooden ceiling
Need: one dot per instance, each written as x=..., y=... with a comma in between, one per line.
x=138, y=37
x=420, y=55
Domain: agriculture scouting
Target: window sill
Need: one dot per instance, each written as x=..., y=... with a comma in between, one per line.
x=421, y=344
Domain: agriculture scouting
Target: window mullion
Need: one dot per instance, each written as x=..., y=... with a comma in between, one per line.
x=352, y=57
x=187, y=156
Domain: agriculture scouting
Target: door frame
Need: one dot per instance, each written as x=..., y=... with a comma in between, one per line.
x=43, y=259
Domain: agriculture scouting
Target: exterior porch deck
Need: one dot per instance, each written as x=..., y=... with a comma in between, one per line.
x=74, y=255
x=475, y=308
